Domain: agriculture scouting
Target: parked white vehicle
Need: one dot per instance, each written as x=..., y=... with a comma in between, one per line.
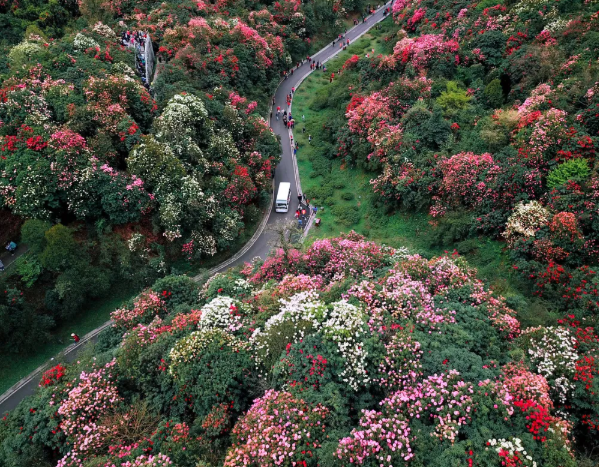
x=283, y=197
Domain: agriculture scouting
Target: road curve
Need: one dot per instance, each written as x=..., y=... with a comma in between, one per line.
x=261, y=244
x=287, y=169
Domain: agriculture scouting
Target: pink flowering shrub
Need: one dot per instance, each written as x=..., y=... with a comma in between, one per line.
x=94, y=396
x=347, y=255
x=423, y=49
x=145, y=308
x=465, y=179
x=276, y=429
x=386, y=437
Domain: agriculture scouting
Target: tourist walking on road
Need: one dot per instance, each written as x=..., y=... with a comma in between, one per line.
x=12, y=246
x=1, y=266
x=75, y=337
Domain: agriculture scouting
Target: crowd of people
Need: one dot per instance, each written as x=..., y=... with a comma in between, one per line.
x=304, y=211
x=137, y=40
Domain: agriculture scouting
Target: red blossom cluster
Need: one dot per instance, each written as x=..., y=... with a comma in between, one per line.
x=51, y=376
x=538, y=418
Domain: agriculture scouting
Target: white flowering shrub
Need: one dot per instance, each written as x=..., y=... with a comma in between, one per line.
x=190, y=347
x=123, y=68
x=23, y=51
x=180, y=115
x=221, y=313
x=525, y=220
x=104, y=30
x=82, y=42
x=552, y=354
x=340, y=322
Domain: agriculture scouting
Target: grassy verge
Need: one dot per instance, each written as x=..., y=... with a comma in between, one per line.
x=15, y=367
x=346, y=199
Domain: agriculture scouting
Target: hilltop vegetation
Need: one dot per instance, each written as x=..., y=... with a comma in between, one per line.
x=345, y=353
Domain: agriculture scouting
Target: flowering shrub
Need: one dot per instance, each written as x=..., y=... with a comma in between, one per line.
x=95, y=395
x=187, y=349
x=222, y=313
x=525, y=221
x=145, y=307
x=368, y=368
x=276, y=428
x=511, y=452
x=52, y=376
x=552, y=354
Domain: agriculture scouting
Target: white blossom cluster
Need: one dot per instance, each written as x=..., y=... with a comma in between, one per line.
x=553, y=355
x=557, y=25
x=340, y=322
x=82, y=42
x=525, y=220
x=204, y=242
x=512, y=447
x=24, y=49
x=180, y=114
x=221, y=313
x=104, y=30
x=123, y=69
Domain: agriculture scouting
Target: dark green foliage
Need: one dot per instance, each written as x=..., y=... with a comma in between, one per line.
x=347, y=215
x=436, y=129
x=22, y=329
x=33, y=234
x=176, y=290
x=494, y=94
x=451, y=228
x=491, y=45
x=219, y=375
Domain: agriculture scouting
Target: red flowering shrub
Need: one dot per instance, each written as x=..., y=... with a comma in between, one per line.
x=51, y=376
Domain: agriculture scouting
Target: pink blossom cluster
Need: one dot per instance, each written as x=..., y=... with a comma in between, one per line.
x=465, y=179
x=159, y=460
x=420, y=51
x=94, y=396
x=292, y=284
x=401, y=365
x=348, y=255
x=384, y=438
x=523, y=384
x=278, y=430
x=444, y=399
x=146, y=306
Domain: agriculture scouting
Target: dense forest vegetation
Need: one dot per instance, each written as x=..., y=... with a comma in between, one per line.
x=482, y=118
x=108, y=184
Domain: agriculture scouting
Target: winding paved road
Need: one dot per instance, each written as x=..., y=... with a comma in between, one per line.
x=258, y=246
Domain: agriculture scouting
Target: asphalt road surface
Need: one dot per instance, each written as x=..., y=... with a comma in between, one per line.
x=286, y=172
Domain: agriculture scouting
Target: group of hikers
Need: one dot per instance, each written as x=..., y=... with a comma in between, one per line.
x=314, y=64
x=138, y=40
x=303, y=211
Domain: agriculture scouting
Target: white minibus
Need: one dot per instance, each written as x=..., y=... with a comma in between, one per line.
x=283, y=197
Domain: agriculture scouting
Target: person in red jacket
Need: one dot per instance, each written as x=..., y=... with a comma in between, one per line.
x=75, y=337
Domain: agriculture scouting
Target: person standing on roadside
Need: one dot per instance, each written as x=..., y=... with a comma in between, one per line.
x=75, y=337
